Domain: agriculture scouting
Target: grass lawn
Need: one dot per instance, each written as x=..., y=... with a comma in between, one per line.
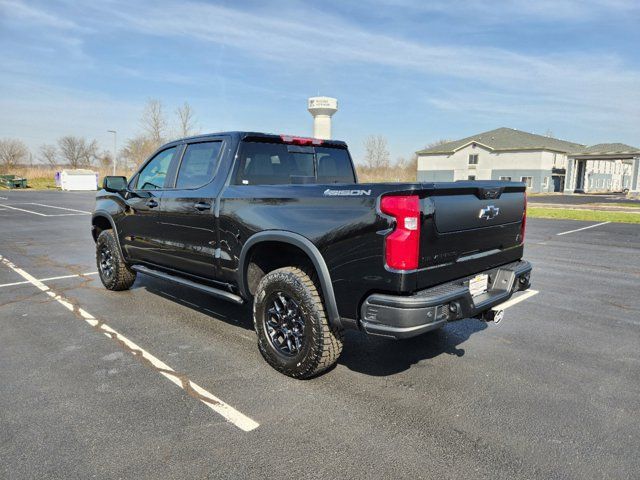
x=616, y=204
x=43, y=183
x=587, y=215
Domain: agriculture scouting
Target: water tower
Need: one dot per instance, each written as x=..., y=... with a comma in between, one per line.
x=322, y=108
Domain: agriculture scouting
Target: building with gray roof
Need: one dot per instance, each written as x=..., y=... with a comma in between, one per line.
x=544, y=163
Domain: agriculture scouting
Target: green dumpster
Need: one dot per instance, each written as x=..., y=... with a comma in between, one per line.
x=11, y=181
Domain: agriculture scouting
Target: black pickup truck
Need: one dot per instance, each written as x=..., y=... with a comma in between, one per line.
x=281, y=222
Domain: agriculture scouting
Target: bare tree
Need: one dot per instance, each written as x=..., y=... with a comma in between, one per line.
x=549, y=133
x=437, y=143
x=49, y=154
x=77, y=151
x=404, y=164
x=137, y=150
x=376, y=152
x=186, y=119
x=12, y=152
x=153, y=122
x=105, y=160
x=413, y=163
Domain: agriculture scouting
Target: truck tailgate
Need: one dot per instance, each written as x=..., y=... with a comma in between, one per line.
x=468, y=212
x=469, y=227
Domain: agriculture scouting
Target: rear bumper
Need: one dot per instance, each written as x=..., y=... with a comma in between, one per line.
x=401, y=316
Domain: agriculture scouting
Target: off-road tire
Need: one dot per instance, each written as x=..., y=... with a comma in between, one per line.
x=322, y=343
x=121, y=277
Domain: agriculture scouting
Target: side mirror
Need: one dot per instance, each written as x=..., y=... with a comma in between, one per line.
x=114, y=184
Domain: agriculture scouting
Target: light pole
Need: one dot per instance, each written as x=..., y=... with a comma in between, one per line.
x=115, y=150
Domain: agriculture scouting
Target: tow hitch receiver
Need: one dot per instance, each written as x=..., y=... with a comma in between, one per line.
x=494, y=316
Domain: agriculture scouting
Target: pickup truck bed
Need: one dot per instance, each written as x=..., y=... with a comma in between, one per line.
x=235, y=213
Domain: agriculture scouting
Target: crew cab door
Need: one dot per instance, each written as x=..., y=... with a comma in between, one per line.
x=187, y=222
x=138, y=229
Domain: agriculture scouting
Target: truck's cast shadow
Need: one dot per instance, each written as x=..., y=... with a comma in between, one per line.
x=216, y=309
x=379, y=356
x=365, y=354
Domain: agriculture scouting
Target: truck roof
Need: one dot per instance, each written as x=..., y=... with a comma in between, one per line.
x=242, y=135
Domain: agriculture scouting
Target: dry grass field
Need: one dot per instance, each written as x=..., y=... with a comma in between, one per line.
x=386, y=174
x=42, y=177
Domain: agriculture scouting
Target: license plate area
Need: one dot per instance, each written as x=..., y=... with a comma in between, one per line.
x=478, y=284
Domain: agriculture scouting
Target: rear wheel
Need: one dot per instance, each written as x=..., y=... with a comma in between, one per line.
x=294, y=335
x=114, y=272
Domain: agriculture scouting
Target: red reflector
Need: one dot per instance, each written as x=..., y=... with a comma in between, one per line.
x=523, y=225
x=402, y=246
x=301, y=140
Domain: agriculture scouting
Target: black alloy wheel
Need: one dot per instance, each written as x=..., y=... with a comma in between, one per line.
x=284, y=323
x=105, y=262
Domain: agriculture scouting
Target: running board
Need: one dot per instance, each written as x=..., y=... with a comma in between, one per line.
x=230, y=297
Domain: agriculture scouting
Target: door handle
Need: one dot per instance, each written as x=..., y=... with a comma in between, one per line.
x=152, y=203
x=202, y=206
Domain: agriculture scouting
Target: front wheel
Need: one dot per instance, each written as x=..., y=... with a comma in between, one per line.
x=289, y=317
x=114, y=272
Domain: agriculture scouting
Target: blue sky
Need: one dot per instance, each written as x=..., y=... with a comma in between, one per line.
x=414, y=71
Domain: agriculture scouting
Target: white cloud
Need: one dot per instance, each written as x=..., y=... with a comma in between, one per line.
x=602, y=82
x=40, y=113
x=297, y=38
x=507, y=11
x=20, y=11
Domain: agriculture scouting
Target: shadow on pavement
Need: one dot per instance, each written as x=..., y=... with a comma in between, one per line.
x=379, y=356
x=217, y=309
x=370, y=355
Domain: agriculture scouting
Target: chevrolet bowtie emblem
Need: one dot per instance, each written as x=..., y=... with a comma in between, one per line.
x=489, y=212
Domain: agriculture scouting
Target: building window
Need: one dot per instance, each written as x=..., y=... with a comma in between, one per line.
x=473, y=159
x=471, y=177
x=505, y=179
x=528, y=181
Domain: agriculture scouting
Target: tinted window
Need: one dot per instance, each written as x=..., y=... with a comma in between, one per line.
x=198, y=164
x=334, y=165
x=273, y=164
x=152, y=176
x=277, y=164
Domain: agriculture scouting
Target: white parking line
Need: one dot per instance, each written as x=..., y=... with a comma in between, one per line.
x=50, y=278
x=44, y=214
x=23, y=210
x=583, y=228
x=228, y=412
x=515, y=301
x=59, y=208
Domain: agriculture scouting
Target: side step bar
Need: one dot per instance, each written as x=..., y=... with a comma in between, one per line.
x=230, y=297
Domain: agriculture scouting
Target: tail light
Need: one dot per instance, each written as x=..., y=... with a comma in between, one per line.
x=523, y=225
x=301, y=140
x=403, y=244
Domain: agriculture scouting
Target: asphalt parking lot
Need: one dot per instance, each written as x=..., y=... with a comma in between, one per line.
x=553, y=391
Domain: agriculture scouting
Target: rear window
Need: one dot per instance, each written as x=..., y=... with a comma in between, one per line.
x=278, y=164
x=334, y=165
